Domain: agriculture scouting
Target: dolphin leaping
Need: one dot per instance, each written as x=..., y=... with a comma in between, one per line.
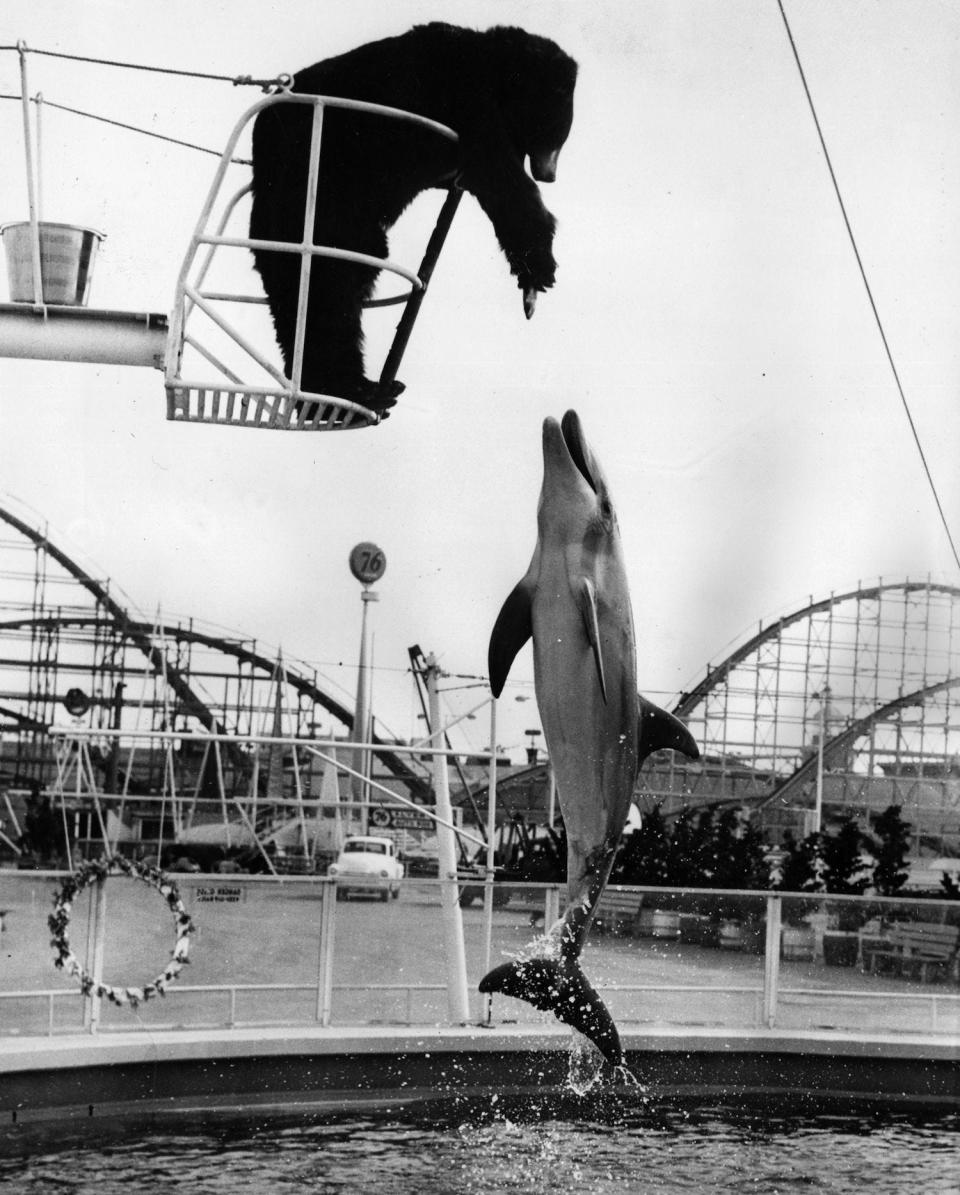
x=575, y=604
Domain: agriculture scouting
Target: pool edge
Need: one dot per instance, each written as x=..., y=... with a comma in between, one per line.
x=93, y=1075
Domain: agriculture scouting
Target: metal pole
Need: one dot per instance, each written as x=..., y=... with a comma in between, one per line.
x=95, y=943
x=410, y=312
x=551, y=907
x=771, y=960
x=31, y=182
x=361, y=720
x=823, y=697
x=39, y=100
x=491, y=860
x=457, y=1002
x=325, y=966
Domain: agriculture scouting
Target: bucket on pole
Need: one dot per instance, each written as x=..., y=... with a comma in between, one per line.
x=67, y=256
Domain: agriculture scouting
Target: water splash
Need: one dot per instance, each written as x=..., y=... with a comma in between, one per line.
x=585, y=1069
x=585, y=1065
x=545, y=946
x=626, y=1077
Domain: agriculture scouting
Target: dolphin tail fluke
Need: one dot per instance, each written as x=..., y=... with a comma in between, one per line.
x=560, y=987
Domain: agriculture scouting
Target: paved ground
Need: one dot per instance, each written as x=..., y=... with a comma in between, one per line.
x=389, y=966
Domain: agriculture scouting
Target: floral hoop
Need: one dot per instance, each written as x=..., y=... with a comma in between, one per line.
x=59, y=923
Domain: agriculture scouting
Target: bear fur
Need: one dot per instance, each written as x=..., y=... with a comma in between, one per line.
x=507, y=93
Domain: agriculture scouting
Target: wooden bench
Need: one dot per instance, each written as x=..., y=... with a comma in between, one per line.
x=617, y=911
x=919, y=948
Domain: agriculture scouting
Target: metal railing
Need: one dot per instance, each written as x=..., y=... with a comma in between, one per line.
x=337, y=964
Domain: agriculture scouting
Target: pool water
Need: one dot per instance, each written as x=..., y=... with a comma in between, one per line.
x=492, y=1145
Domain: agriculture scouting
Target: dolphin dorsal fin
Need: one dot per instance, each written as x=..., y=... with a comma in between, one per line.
x=659, y=730
x=587, y=600
x=514, y=626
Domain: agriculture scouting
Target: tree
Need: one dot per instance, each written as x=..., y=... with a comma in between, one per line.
x=643, y=857
x=802, y=869
x=740, y=853
x=43, y=834
x=890, y=851
x=685, y=848
x=844, y=872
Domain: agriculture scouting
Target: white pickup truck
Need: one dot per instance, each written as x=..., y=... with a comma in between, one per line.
x=370, y=865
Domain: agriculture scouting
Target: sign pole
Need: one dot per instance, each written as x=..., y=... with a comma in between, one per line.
x=368, y=564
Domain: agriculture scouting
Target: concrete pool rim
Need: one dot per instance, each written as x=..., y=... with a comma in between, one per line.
x=172, y=1075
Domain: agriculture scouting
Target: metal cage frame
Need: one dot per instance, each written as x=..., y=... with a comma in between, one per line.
x=227, y=398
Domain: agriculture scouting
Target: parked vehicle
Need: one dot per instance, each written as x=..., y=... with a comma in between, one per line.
x=368, y=865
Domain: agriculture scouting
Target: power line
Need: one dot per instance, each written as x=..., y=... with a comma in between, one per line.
x=863, y=275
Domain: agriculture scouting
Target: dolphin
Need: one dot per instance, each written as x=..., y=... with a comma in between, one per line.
x=574, y=603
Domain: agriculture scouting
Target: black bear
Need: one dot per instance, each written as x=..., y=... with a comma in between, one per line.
x=507, y=93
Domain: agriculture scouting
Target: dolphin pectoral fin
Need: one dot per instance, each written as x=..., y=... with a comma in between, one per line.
x=514, y=626
x=587, y=601
x=563, y=989
x=659, y=730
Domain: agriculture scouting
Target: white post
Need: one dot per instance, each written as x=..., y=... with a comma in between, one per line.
x=551, y=907
x=451, y=915
x=31, y=180
x=94, y=959
x=361, y=721
x=328, y=890
x=771, y=960
x=491, y=861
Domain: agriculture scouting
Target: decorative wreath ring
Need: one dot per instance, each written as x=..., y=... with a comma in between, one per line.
x=59, y=923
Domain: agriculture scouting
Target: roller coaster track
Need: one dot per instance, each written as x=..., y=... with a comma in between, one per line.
x=716, y=674
x=141, y=635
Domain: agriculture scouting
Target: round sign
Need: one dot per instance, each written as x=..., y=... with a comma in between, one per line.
x=77, y=702
x=368, y=563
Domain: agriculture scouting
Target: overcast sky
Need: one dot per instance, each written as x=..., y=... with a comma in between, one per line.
x=709, y=324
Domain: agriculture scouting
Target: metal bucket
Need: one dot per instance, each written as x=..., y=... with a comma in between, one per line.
x=67, y=254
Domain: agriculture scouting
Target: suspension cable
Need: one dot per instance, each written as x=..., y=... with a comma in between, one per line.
x=863, y=275
x=132, y=128
x=236, y=80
